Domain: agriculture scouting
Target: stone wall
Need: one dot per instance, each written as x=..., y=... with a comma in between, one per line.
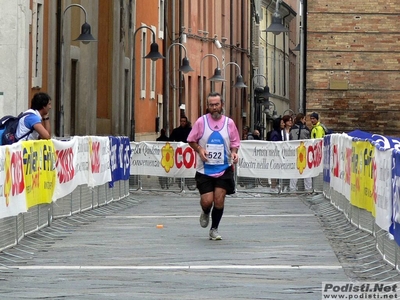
x=353, y=64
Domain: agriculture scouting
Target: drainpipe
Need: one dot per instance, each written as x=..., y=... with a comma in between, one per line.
x=284, y=58
x=303, y=57
x=58, y=66
x=165, y=106
x=230, y=59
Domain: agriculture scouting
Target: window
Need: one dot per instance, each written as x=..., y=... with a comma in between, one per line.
x=152, y=79
x=143, y=53
x=153, y=73
x=161, y=18
x=37, y=43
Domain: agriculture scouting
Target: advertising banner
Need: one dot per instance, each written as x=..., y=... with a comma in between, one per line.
x=99, y=160
x=39, y=171
x=383, y=188
x=395, y=226
x=363, y=153
x=72, y=165
x=286, y=159
x=119, y=158
x=167, y=159
x=341, y=155
x=12, y=182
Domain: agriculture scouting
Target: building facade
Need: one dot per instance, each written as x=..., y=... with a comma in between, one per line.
x=274, y=64
x=352, y=64
x=105, y=86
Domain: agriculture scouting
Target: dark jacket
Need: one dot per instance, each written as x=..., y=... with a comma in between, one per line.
x=299, y=131
x=162, y=138
x=180, y=134
x=276, y=134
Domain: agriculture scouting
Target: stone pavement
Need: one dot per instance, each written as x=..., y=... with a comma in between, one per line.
x=273, y=247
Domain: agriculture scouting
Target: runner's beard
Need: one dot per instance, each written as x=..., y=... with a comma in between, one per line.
x=216, y=115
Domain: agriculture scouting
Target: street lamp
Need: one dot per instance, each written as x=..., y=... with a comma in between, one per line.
x=291, y=111
x=239, y=84
x=184, y=68
x=267, y=110
x=253, y=105
x=276, y=26
x=216, y=77
x=153, y=55
x=263, y=93
x=85, y=37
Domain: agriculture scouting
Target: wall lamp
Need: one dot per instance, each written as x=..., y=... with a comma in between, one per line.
x=268, y=109
x=297, y=48
x=184, y=68
x=239, y=78
x=153, y=55
x=276, y=26
x=253, y=109
x=85, y=37
x=217, y=77
x=292, y=113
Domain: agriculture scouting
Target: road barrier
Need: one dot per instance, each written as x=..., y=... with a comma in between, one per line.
x=47, y=179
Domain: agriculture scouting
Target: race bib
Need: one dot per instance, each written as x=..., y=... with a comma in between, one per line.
x=215, y=154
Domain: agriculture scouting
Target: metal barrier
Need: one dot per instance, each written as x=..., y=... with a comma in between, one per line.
x=243, y=184
x=365, y=221
x=83, y=198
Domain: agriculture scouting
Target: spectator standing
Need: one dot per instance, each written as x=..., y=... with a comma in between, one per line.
x=256, y=135
x=277, y=126
x=317, y=130
x=163, y=136
x=287, y=125
x=300, y=132
x=180, y=134
x=216, y=140
x=276, y=136
x=247, y=135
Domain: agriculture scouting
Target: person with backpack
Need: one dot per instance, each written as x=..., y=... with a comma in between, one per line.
x=317, y=130
x=300, y=131
x=35, y=122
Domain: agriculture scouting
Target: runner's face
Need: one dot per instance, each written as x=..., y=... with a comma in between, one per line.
x=215, y=107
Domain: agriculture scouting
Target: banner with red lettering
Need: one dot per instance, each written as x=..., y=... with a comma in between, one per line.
x=39, y=171
x=72, y=165
x=12, y=183
x=341, y=158
x=99, y=160
x=168, y=159
x=286, y=159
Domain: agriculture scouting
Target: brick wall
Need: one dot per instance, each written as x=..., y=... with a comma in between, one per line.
x=353, y=64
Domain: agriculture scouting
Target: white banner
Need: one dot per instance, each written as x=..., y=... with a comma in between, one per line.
x=291, y=159
x=72, y=165
x=341, y=155
x=168, y=159
x=383, y=187
x=99, y=160
x=12, y=183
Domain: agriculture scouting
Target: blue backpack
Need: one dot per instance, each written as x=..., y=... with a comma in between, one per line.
x=8, y=129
